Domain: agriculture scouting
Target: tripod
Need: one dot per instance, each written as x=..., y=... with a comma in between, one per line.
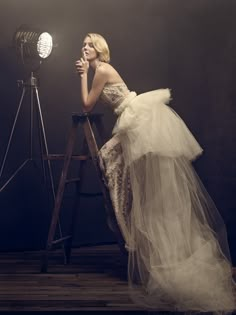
x=30, y=85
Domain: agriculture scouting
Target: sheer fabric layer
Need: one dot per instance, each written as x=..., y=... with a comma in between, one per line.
x=178, y=244
x=178, y=252
x=150, y=125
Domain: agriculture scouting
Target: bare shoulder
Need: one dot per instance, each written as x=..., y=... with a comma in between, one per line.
x=105, y=68
x=109, y=72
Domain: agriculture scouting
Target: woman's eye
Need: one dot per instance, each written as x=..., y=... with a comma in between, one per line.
x=88, y=44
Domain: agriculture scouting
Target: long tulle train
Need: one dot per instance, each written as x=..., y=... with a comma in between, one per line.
x=178, y=252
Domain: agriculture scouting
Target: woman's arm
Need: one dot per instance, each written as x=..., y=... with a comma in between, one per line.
x=89, y=98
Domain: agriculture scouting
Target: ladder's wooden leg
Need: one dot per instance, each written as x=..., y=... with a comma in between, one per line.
x=59, y=196
x=68, y=244
x=101, y=129
x=107, y=202
x=92, y=144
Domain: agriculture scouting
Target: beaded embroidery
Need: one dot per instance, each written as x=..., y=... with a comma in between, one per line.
x=113, y=94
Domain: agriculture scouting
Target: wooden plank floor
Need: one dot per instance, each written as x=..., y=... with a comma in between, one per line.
x=95, y=280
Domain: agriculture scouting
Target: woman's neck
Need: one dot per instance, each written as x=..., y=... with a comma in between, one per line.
x=95, y=63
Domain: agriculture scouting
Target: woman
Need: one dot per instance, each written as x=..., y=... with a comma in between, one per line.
x=176, y=240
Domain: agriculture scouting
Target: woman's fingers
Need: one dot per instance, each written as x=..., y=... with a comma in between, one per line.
x=78, y=63
x=84, y=57
x=82, y=65
x=79, y=67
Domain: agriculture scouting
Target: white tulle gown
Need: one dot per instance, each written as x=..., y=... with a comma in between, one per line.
x=176, y=239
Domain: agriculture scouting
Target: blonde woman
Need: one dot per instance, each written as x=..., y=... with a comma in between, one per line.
x=175, y=236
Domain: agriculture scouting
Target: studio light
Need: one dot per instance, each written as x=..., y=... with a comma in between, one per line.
x=32, y=47
x=32, y=43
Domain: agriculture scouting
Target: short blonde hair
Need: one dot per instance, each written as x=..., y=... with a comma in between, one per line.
x=101, y=46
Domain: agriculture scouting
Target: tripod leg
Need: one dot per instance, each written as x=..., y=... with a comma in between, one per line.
x=45, y=145
x=43, y=137
x=42, y=145
x=12, y=131
x=45, y=142
x=9, y=144
x=31, y=120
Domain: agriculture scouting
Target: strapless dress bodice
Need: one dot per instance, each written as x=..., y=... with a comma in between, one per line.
x=114, y=94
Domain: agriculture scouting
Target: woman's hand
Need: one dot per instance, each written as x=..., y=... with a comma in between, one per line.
x=82, y=66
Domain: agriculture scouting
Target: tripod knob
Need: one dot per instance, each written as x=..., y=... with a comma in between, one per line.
x=20, y=83
x=33, y=81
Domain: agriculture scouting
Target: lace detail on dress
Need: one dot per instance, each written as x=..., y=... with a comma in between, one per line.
x=116, y=178
x=113, y=94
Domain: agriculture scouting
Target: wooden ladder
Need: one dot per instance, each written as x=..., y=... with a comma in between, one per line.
x=90, y=151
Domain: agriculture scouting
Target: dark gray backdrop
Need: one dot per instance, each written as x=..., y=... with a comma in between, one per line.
x=186, y=45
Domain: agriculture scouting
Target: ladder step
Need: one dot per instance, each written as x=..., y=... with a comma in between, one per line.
x=90, y=194
x=89, y=152
x=62, y=157
x=61, y=239
x=72, y=180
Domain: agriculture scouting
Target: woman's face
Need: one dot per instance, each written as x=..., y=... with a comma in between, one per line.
x=89, y=50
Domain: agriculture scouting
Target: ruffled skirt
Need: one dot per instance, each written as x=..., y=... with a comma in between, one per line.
x=176, y=239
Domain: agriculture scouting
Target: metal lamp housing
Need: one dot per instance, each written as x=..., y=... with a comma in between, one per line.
x=32, y=44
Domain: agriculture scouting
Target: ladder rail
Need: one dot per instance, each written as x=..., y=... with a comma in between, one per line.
x=89, y=145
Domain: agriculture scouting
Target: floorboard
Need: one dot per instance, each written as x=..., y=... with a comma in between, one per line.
x=95, y=281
